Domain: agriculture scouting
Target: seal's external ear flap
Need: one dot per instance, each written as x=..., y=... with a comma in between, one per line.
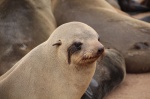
x=57, y=43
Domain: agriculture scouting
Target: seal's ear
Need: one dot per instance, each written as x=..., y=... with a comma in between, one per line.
x=57, y=43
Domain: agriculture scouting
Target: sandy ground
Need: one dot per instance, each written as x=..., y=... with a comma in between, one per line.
x=135, y=86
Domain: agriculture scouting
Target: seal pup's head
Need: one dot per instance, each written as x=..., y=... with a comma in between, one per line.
x=82, y=47
x=77, y=47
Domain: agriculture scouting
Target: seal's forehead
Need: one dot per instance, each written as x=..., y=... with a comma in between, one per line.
x=84, y=33
x=75, y=29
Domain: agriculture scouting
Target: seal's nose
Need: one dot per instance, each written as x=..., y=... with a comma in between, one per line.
x=100, y=50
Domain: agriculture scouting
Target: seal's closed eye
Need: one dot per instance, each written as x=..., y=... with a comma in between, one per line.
x=57, y=43
x=99, y=39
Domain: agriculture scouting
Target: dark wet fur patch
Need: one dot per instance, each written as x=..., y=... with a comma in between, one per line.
x=72, y=49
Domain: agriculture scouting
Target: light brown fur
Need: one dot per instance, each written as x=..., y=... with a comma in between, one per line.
x=44, y=73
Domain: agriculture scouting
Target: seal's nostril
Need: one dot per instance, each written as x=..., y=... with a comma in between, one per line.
x=100, y=50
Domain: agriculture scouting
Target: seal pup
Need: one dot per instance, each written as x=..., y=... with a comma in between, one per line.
x=129, y=36
x=60, y=68
x=24, y=24
x=110, y=73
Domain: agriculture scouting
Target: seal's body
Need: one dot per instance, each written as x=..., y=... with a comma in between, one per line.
x=24, y=24
x=129, y=36
x=60, y=68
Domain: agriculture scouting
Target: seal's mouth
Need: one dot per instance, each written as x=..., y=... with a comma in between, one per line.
x=89, y=59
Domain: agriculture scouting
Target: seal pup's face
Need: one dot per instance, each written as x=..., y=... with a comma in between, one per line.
x=81, y=44
x=76, y=47
x=85, y=52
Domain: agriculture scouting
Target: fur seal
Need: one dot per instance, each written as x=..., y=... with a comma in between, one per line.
x=24, y=24
x=117, y=31
x=66, y=60
x=110, y=72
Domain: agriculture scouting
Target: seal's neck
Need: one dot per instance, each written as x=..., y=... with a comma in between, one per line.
x=74, y=81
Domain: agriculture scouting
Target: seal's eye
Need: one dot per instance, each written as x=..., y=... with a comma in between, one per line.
x=78, y=45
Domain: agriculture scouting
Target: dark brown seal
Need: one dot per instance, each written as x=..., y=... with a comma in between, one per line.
x=117, y=31
x=24, y=24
